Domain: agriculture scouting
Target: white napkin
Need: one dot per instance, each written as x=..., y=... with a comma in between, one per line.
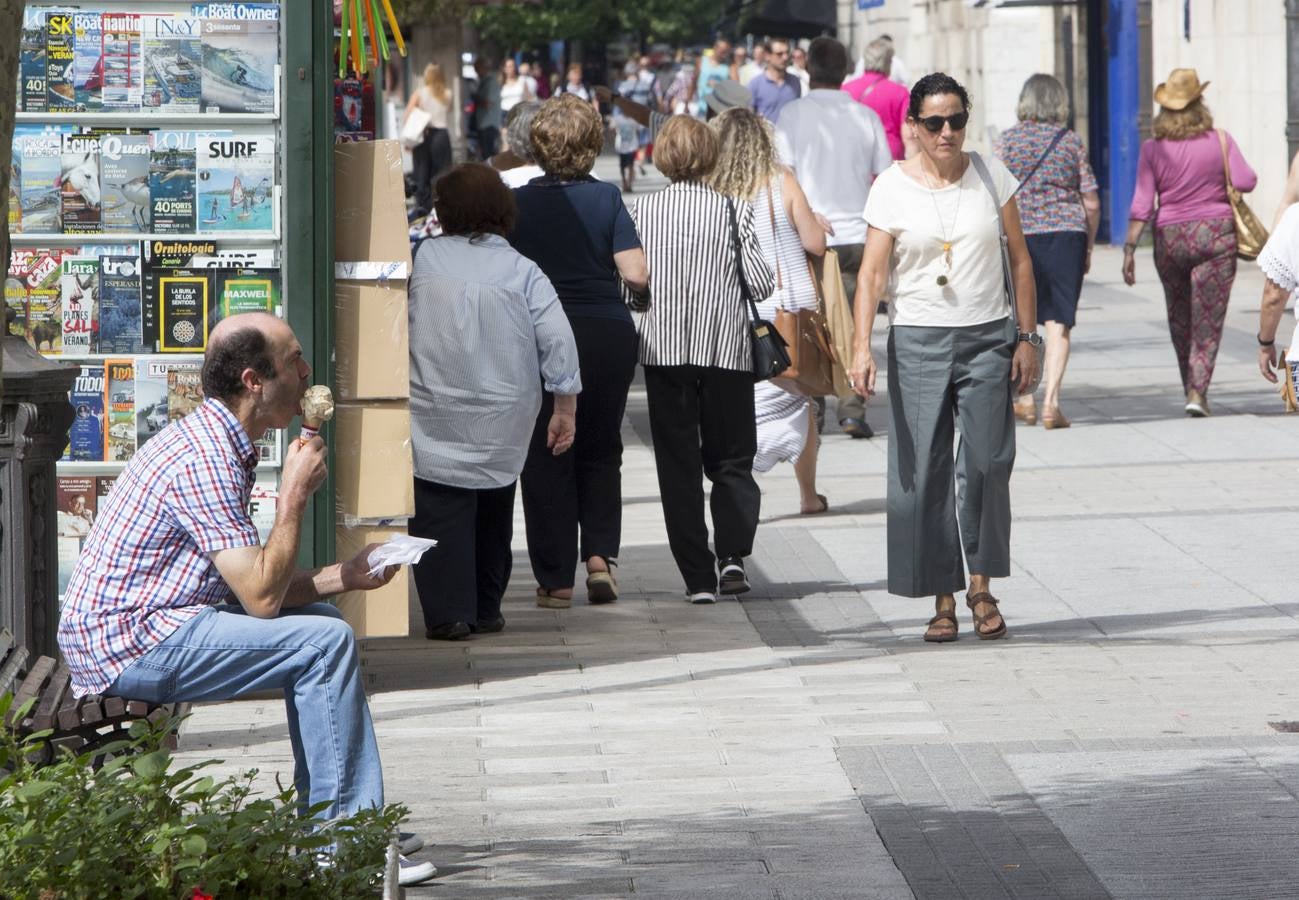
x=399, y=550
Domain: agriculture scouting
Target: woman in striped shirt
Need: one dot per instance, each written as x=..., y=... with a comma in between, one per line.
x=694, y=345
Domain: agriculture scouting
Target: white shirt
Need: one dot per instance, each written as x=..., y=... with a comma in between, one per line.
x=803, y=78
x=836, y=147
x=521, y=175
x=920, y=220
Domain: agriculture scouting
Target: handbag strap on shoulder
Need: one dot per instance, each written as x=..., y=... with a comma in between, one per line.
x=745, y=294
x=1226, y=163
x=1007, y=276
x=1059, y=135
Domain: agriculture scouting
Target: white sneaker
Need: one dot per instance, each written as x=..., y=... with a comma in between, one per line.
x=701, y=597
x=409, y=844
x=414, y=871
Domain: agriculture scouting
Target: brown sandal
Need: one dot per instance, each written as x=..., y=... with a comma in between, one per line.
x=979, y=621
x=942, y=628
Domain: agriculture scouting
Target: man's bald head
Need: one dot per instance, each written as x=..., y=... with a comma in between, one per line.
x=245, y=341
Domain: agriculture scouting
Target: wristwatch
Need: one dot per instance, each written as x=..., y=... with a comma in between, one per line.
x=1031, y=336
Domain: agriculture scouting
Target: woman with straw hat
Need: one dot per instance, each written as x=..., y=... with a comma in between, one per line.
x=1182, y=188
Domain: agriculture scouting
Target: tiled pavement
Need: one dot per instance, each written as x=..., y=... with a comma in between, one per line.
x=805, y=743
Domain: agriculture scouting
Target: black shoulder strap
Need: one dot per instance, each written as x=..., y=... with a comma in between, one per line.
x=745, y=294
x=1059, y=135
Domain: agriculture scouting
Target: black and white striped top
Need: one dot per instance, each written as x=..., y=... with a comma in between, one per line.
x=697, y=315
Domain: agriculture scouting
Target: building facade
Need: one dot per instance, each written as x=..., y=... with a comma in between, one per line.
x=1110, y=54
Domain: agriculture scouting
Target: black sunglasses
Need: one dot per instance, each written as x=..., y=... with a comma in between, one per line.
x=934, y=124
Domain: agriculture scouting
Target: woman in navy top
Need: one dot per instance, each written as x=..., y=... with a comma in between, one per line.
x=578, y=231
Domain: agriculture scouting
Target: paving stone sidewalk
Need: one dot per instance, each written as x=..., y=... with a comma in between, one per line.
x=805, y=743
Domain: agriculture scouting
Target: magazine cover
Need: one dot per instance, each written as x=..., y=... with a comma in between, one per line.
x=119, y=409
x=268, y=446
x=184, y=389
x=79, y=184
x=31, y=66
x=239, y=62
x=267, y=11
x=171, y=182
x=86, y=436
x=261, y=506
x=245, y=290
x=150, y=398
x=159, y=257
x=78, y=292
x=124, y=161
x=75, y=496
x=183, y=303
x=16, y=292
x=173, y=63
x=236, y=178
x=235, y=258
x=103, y=487
x=44, y=313
x=119, y=305
x=60, y=57
x=87, y=67
x=120, y=61
x=42, y=155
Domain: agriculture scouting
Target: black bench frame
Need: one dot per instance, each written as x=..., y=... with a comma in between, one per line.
x=81, y=724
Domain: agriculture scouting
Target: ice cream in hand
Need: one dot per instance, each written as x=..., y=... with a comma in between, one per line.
x=317, y=409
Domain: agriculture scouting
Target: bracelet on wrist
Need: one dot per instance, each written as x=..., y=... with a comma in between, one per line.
x=1263, y=343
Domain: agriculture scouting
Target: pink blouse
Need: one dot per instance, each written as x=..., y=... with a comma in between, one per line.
x=1184, y=179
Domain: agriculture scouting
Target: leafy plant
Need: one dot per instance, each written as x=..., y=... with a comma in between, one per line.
x=140, y=827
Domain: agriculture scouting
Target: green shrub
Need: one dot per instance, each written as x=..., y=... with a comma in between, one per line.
x=141, y=828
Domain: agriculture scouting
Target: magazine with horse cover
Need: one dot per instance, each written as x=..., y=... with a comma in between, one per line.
x=79, y=193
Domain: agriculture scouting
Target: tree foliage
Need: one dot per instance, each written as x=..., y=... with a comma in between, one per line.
x=597, y=21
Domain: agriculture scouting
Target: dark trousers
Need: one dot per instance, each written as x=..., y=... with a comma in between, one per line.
x=430, y=157
x=463, y=578
x=702, y=423
x=850, y=405
x=581, y=489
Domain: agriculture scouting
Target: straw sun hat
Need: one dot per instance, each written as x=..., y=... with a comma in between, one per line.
x=1182, y=88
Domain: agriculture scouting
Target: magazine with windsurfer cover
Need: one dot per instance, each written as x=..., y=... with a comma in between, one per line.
x=236, y=183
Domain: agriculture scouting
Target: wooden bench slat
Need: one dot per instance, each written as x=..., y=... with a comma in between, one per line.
x=69, y=715
x=90, y=711
x=31, y=686
x=114, y=707
x=51, y=699
x=12, y=665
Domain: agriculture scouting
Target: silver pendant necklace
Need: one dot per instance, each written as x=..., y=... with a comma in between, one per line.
x=947, y=241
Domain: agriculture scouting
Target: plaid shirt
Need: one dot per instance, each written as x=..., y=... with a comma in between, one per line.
x=146, y=568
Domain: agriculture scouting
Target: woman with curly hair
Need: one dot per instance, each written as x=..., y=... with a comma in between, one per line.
x=1182, y=188
x=578, y=231
x=748, y=169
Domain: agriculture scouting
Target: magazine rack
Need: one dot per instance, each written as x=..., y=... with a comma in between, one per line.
x=148, y=206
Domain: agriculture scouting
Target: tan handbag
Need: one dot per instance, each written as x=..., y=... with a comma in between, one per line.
x=1286, y=388
x=811, y=372
x=1250, y=233
x=838, y=315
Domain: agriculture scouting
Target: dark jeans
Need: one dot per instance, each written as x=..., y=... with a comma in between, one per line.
x=850, y=405
x=463, y=578
x=430, y=157
x=581, y=489
x=702, y=423
x=489, y=142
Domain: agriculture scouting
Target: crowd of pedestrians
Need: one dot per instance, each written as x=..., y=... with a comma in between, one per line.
x=546, y=287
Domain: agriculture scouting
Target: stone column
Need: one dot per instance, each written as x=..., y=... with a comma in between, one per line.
x=34, y=419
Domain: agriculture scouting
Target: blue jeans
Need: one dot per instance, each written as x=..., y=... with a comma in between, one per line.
x=310, y=654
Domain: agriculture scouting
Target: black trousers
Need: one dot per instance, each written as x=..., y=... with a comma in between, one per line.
x=430, y=157
x=581, y=489
x=702, y=423
x=463, y=578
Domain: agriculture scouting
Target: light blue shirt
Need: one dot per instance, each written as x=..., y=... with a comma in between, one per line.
x=487, y=333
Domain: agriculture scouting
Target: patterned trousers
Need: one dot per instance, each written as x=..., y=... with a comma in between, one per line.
x=1196, y=262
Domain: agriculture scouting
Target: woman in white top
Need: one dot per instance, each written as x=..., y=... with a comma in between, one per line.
x=1279, y=263
x=933, y=251
x=748, y=169
x=514, y=89
x=433, y=155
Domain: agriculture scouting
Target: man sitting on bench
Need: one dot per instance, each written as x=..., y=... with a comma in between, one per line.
x=150, y=612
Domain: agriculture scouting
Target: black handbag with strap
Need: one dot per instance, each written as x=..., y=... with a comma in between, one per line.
x=768, y=354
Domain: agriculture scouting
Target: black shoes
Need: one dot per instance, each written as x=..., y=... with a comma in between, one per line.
x=732, y=579
x=450, y=631
x=856, y=428
x=489, y=626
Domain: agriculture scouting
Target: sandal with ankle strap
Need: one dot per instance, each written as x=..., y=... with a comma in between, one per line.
x=980, y=621
x=942, y=628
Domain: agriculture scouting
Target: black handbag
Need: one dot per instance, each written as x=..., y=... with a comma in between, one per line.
x=768, y=356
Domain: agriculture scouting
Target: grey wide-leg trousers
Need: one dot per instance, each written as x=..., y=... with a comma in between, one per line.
x=937, y=378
